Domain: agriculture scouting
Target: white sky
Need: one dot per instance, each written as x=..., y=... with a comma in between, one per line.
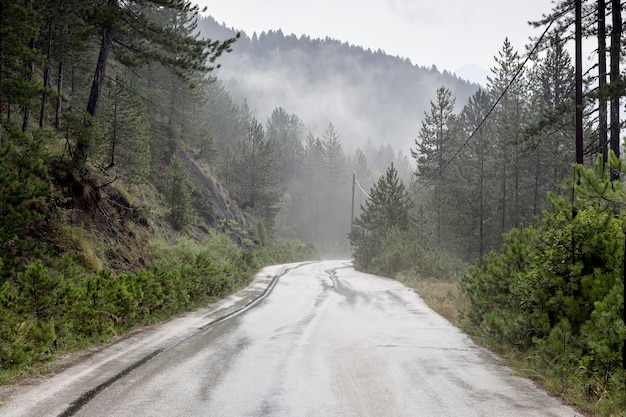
x=446, y=33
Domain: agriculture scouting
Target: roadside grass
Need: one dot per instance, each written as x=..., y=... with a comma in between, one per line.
x=443, y=296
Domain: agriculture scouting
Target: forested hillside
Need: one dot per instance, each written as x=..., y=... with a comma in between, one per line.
x=138, y=179
x=367, y=95
x=112, y=212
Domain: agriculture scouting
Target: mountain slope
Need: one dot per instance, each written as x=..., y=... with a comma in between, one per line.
x=365, y=94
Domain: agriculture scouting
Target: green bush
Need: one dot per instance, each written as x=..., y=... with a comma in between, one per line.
x=400, y=252
x=45, y=310
x=554, y=293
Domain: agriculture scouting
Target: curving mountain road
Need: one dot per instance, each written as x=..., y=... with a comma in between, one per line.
x=319, y=340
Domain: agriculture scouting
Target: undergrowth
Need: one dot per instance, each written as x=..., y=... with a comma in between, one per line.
x=47, y=311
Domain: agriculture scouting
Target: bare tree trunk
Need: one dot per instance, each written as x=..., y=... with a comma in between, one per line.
x=579, y=84
x=29, y=77
x=616, y=35
x=83, y=143
x=57, y=110
x=602, y=104
x=46, y=78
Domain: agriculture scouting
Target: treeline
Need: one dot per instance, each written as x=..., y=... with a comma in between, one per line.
x=299, y=183
x=477, y=177
x=513, y=159
x=366, y=94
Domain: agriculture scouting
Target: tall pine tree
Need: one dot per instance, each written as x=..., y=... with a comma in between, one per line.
x=387, y=209
x=434, y=145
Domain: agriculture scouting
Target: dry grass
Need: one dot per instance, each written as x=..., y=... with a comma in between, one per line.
x=75, y=242
x=443, y=296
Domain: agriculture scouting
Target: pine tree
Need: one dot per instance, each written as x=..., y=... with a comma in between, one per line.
x=362, y=174
x=552, y=130
x=178, y=193
x=510, y=116
x=387, y=209
x=285, y=130
x=309, y=197
x=475, y=226
x=337, y=189
x=22, y=189
x=125, y=148
x=151, y=38
x=258, y=174
x=19, y=26
x=434, y=145
x=36, y=291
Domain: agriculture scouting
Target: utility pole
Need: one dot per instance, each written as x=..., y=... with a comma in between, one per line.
x=352, y=213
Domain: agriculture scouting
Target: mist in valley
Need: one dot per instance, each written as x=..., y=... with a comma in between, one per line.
x=358, y=109
x=367, y=95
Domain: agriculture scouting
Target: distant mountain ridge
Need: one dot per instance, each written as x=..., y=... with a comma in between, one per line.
x=367, y=95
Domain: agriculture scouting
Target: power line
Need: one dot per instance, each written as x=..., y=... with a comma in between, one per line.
x=361, y=188
x=471, y=136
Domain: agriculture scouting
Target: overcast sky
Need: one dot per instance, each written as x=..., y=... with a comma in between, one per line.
x=446, y=33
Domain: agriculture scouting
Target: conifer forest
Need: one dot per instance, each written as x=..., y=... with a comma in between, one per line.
x=144, y=174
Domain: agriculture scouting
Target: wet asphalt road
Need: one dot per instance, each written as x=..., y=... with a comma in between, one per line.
x=326, y=341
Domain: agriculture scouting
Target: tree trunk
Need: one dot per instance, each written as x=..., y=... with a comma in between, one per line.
x=114, y=133
x=103, y=57
x=616, y=35
x=61, y=68
x=482, y=201
x=83, y=143
x=57, y=110
x=536, y=190
x=30, y=69
x=503, y=190
x=579, y=84
x=46, y=78
x=602, y=104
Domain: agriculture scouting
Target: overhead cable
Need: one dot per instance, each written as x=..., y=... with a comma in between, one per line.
x=361, y=188
x=493, y=107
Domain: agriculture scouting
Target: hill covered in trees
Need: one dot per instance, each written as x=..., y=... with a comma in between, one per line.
x=367, y=95
x=137, y=180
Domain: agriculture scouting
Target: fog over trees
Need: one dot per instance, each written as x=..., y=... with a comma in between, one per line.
x=356, y=111
x=111, y=130
x=367, y=95
x=493, y=180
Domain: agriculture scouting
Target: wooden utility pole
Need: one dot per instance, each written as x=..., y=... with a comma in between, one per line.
x=352, y=212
